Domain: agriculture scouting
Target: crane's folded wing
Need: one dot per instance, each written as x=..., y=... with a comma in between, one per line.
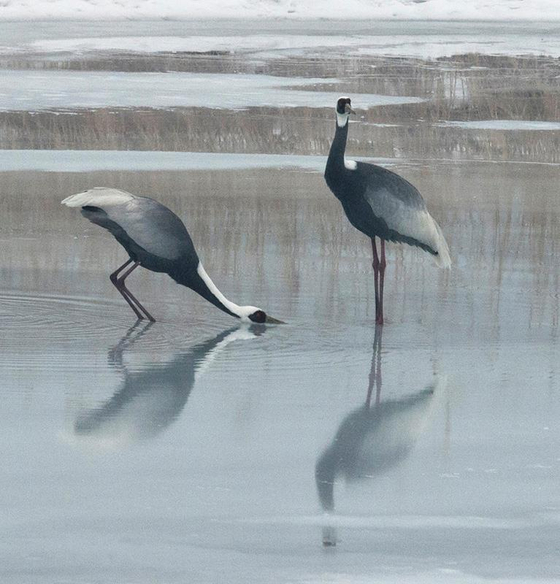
x=148, y=223
x=410, y=221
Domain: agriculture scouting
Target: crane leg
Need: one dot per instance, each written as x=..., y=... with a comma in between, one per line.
x=122, y=288
x=382, y=266
x=114, y=277
x=133, y=302
x=376, y=272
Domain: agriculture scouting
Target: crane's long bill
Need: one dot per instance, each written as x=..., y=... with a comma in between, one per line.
x=272, y=320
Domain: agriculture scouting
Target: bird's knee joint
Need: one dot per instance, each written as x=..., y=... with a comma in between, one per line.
x=117, y=280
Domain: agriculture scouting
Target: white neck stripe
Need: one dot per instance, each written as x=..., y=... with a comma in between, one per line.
x=342, y=119
x=242, y=312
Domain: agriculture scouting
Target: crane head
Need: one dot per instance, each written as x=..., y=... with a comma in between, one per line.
x=343, y=110
x=344, y=106
x=260, y=317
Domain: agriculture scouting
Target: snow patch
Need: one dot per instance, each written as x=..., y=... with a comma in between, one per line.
x=293, y=9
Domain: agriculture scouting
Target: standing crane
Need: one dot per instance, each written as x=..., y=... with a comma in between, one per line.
x=381, y=204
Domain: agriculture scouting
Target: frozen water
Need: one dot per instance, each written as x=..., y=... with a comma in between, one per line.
x=277, y=38
x=293, y=44
x=92, y=160
x=509, y=125
x=34, y=90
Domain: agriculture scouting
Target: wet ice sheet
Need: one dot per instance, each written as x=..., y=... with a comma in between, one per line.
x=91, y=160
x=423, y=46
x=277, y=38
x=508, y=125
x=32, y=90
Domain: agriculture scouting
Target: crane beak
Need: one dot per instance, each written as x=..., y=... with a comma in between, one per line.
x=271, y=320
x=349, y=110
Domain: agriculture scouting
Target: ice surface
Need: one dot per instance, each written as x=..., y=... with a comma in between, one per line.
x=34, y=90
x=373, y=43
x=410, y=40
x=94, y=160
x=282, y=37
x=427, y=46
x=504, y=125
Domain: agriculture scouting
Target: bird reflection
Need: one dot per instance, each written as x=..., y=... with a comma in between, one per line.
x=371, y=439
x=151, y=399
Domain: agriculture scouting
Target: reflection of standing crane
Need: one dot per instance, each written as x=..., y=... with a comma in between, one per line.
x=151, y=399
x=371, y=439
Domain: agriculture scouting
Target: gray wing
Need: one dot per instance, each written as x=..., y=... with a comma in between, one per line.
x=402, y=208
x=148, y=223
x=153, y=227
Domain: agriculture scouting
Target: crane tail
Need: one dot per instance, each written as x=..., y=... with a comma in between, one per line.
x=443, y=259
x=98, y=197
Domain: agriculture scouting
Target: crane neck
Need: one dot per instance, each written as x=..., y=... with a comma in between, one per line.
x=202, y=284
x=338, y=146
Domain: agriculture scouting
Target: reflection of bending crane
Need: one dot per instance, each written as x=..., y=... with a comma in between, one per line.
x=371, y=439
x=152, y=398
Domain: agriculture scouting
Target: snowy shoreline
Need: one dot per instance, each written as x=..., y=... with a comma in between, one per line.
x=429, y=10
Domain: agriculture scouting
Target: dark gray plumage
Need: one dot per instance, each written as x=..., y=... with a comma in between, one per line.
x=380, y=203
x=156, y=239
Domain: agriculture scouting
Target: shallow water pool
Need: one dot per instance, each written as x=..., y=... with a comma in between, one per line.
x=318, y=451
